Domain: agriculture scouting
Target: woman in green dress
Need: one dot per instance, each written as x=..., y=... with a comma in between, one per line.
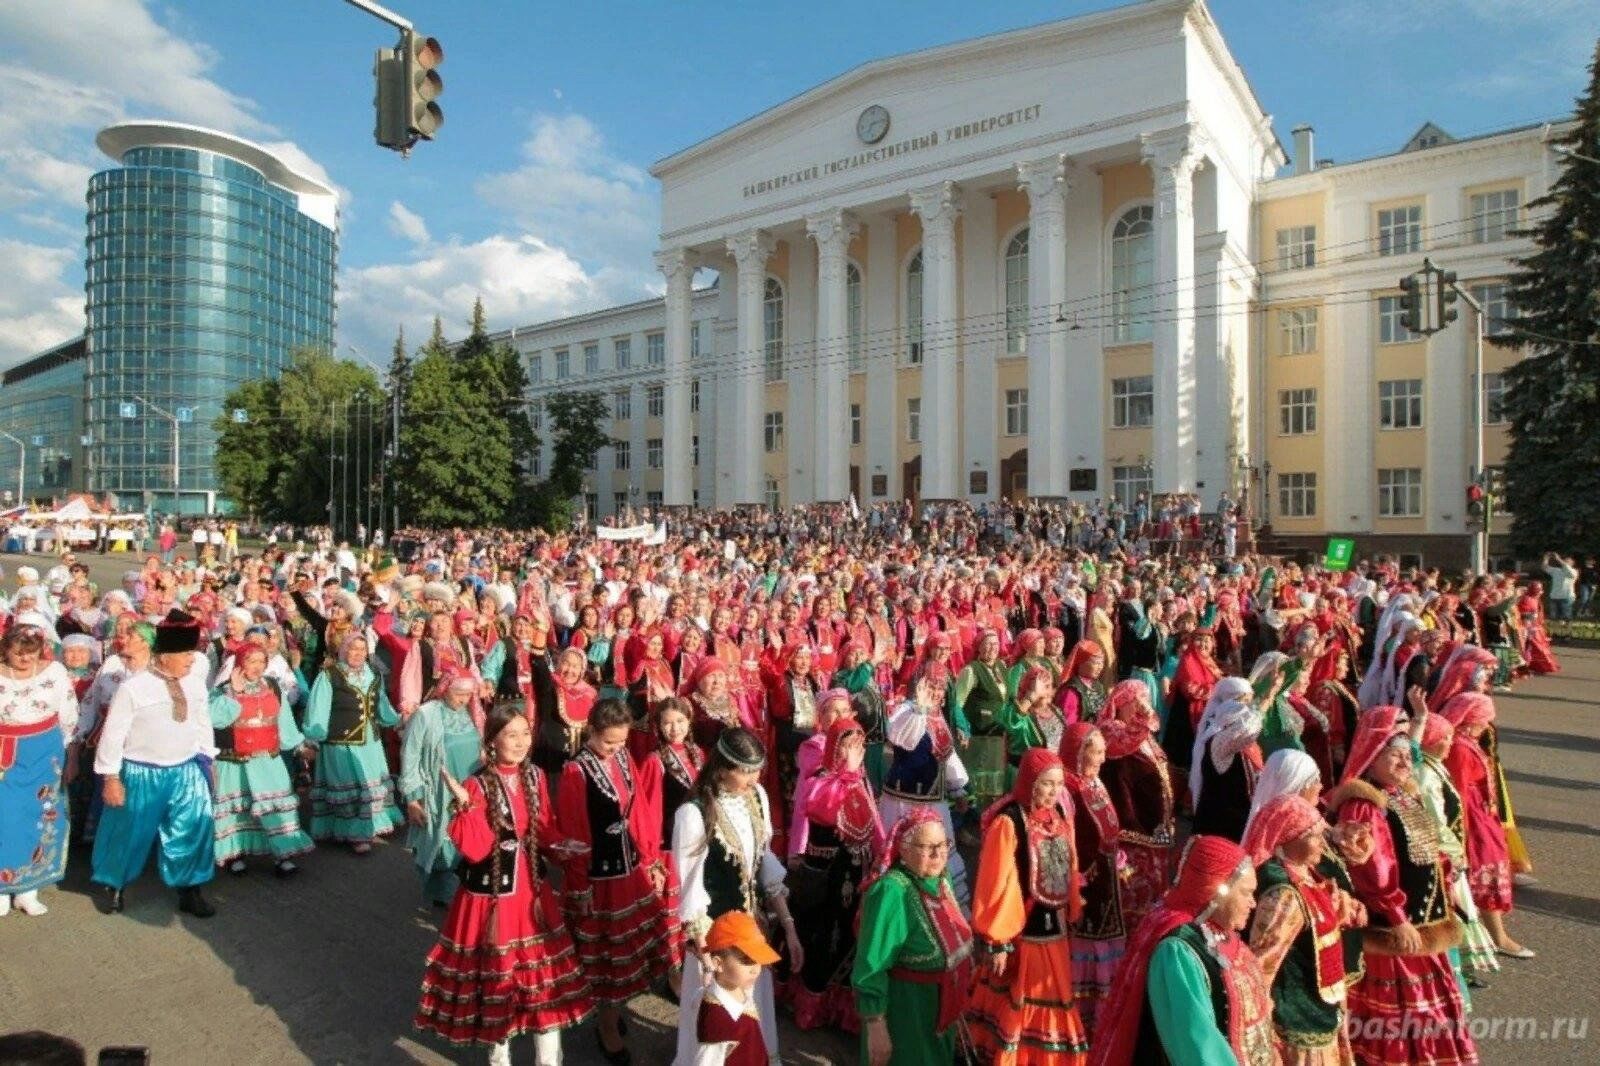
x=914, y=962
x=352, y=793
x=980, y=695
x=440, y=736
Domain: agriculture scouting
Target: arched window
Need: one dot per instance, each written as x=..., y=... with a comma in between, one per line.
x=914, y=310
x=1133, y=268
x=1017, y=294
x=772, y=328
x=852, y=312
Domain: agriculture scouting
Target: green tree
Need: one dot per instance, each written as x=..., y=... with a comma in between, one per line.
x=577, y=420
x=250, y=453
x=455, y=461
x=1553, y=394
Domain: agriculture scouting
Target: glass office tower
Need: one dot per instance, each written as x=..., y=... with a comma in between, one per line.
x=41, y=420
x=210, y=261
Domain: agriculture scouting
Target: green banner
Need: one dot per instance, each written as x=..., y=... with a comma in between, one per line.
x=1341, y=550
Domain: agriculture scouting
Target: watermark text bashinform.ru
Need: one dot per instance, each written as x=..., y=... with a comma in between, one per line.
x=1479, y=1026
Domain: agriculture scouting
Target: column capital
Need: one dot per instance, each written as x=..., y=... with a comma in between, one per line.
x=938, y=205
x=751, y=249
x=674, y=262
x=1042, y=178
x=833, y=230
x=1173, y=154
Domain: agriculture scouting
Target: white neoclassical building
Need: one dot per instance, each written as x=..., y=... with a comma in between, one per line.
x=1066, y=261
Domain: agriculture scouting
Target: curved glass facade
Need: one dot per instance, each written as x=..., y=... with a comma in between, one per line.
x=202, y=275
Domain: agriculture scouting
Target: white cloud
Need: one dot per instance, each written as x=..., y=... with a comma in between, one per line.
x=404, y=222
x=38, y=306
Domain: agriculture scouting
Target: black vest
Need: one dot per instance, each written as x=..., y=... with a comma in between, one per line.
x=1149, y=1051
x=612, y=852
x=1427, y=900
x=1044, y=921
x=351, y=710
x=1224, y=805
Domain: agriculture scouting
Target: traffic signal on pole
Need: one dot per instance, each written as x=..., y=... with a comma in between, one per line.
x=1446, y=298
x=422, y=56
x=1411, y=303
x=389, y=79
x=1497, y=481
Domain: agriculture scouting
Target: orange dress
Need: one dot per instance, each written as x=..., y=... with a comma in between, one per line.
x=1024, y=903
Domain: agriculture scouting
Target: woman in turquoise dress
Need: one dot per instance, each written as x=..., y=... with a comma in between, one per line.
x=440, y=736
x=352, y=792
x=1281, y=724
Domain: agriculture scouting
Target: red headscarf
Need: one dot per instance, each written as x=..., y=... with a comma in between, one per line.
x=1084, y=649
x=1209, y=867
x=1376, y=728
x=1468, y=709
x=1284, y=818
x=1073, y=739
x=1037, y=761
x=1025, y=644
x=1458, y=674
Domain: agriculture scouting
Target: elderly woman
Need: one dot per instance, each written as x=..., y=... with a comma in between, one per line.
x=1138, y=779
x=914, y=962
x=441, y=736
x=256, y=808
x=1023, y=905
x=980, y=694
x=1196, y=675
x=1407, y=1006
x=1032, y=720
x=38, y=717
x=1296, y=932
x=1226, y=760
x=1099, y=934
x=1476, y=955
x=352, y=798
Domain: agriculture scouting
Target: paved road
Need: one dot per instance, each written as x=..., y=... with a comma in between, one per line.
x=325, y=968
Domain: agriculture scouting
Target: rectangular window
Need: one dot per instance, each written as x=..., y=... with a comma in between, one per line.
x=622, y=404
x=1400, y=492
x=1297, y=495
x=563, y=364
x=619, y=502
x=1494, y=214
x=855, y=424
x=1297, y=247
x=1297, y=412
x=536, y=418
x=591, y=358
x=654, y=401
x=914, y=419
x=622, y=348
x=622, y=455
x=536, y=467
x=591, y=505
x=694, y=340
x=1133, y=402
x=694, y=450
x=1400, y=230
x=774, y=497
x=1016, y=412
x=653, y=499
x=652, y=453
x=694, y=396
x=535, y=368
x=1494, y=398
x=1497, y=309
x=1390, y=330
x=1400, y=404
x=773, y=431
x=1128, y=482
x=655, y=349
x=1298, y=326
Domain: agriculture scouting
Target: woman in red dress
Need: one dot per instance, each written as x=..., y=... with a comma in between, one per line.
x=1535, y=640
x=504, y=964
x=650, y=680
x=1488, y=855
x=619, y=897
x=1196, y=675
x=1138, y=778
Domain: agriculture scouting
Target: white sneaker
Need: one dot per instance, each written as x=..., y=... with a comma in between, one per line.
x=28, y=903
x=5, y=905
x=500, y=1054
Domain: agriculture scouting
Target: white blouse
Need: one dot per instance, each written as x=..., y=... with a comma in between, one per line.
x=690, y=847
x=48, y=693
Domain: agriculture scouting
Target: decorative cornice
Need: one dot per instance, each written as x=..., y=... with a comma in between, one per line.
x=937, y=205
x=1046, y=181
x=751, y=249
x=833, y=230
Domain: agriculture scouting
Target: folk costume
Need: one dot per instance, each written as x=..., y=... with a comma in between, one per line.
x=438, y=737
x=925, y=774
x=1025, y=900
x=1138, y=779
x=1406, y=1007
x=1444, y=802
x=1488, y=856
x=679, y=765
x=352, y=793
x=1099, y=935
x=38, y=720
x=257, y=810
x=981, y=693
x=158, y=738
x=914, y=962
x=1225, y=761
x=1197, y=674
x=626, y=934
x=504, y=964
x=1188, y=992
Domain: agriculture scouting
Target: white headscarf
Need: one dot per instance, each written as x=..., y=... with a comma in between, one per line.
x=1287, y=771
x=1374, y=681
x=1394, y=675
x=1267, y=666
x=1230, y=724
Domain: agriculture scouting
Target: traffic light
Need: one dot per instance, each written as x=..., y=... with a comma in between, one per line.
x=1447, y=297
x=406, y=85
x=1411, y=303
x=1497, y=481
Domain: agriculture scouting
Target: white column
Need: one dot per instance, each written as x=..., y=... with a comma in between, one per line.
x=981, y=303
x=939, y=206
x=1084, y=417
x=1045, y=182
x=677, y=485
x=750, y=251
x=880, y=418
x=1173, y=156
x=832, y=230
x=1213, y=376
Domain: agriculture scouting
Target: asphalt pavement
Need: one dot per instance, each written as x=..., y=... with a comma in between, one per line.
x=325, y=968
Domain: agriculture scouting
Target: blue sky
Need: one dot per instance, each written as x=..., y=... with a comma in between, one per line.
x=536, y=193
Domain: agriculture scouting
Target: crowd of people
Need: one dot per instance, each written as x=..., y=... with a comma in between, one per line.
x=1013, y=784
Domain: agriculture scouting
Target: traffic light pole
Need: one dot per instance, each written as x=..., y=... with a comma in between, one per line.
x=379, y=11
x=1480, y=536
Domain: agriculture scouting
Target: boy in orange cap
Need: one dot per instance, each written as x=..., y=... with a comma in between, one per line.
x=728, y=1028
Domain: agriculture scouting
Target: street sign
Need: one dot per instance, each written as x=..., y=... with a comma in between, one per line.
x=128, y=410
x=1340, y=551
x=38, y=440
x=186, y=414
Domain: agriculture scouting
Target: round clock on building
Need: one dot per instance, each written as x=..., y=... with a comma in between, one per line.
x=872, y=124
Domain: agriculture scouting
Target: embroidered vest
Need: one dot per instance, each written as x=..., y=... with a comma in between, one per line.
x=1045, y=871
x=1308, y=990
x=612, y=852
x=1416, y=846
x=255, y=731
x=351, y=711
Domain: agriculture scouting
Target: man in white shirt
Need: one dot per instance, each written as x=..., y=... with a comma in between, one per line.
x=154, y=756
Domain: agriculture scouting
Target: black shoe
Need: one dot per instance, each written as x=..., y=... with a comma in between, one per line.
x=190, y=901
x=114, y=901
x=621, y=1057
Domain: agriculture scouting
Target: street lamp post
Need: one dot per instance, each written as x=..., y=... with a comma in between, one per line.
x=392, y=452
x=184, y=414
x=22, y=463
